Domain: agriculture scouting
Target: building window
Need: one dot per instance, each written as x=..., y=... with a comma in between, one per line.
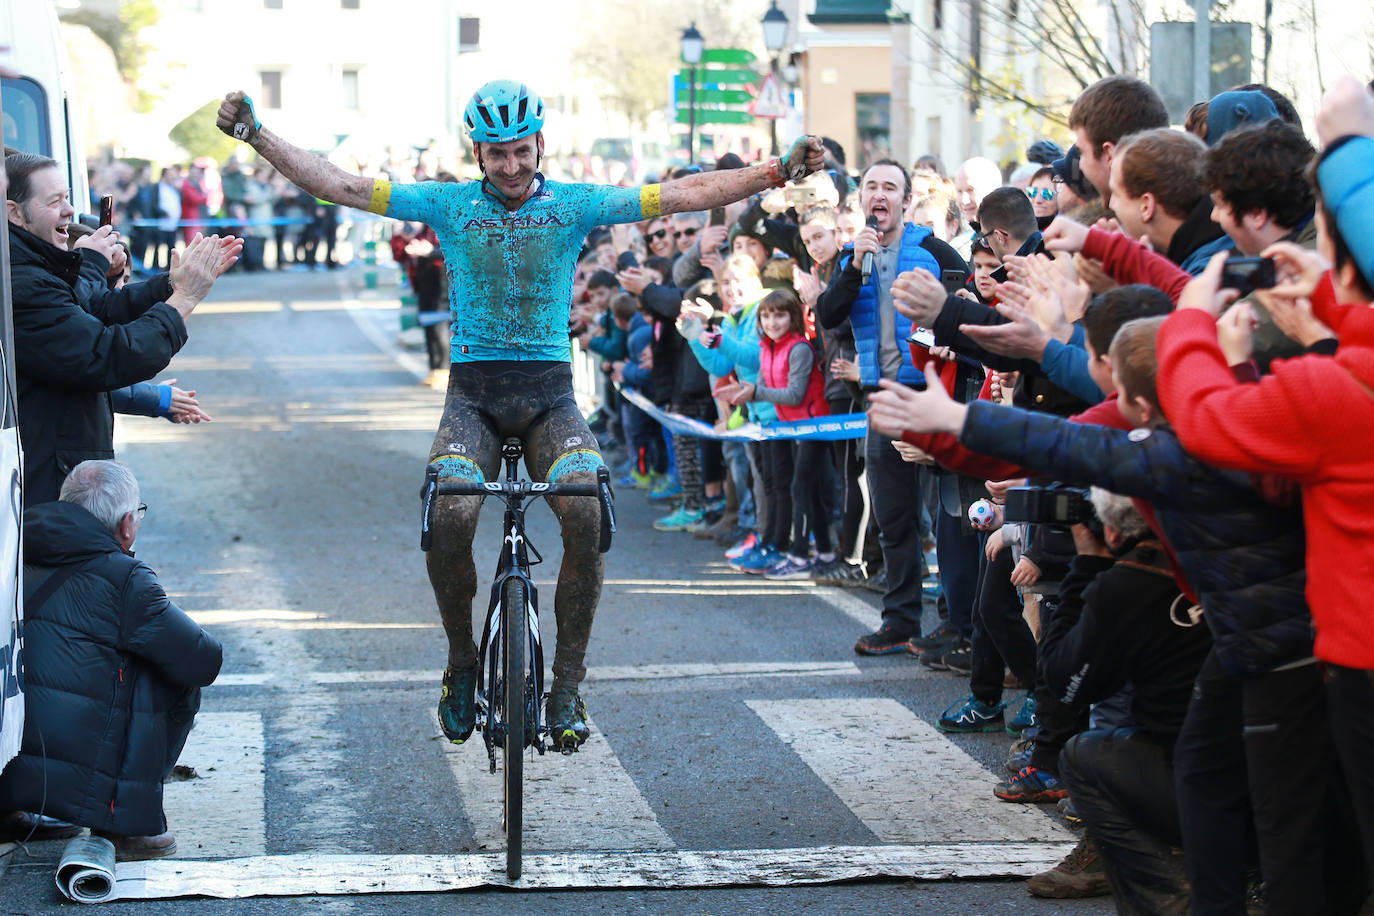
x=270, y=97
x=934, y=133
x=1013, y=9
x=937, y=14
x=873, y=115
x=469, y=34
x=271, y=4
x=351, y=100
x=348, y=4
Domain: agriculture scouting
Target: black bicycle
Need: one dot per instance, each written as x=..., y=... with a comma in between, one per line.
x=512, y=658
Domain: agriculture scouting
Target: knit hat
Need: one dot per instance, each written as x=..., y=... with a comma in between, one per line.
x=1231, y=110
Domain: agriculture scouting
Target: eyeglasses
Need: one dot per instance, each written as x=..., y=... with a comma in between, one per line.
x=1046, y=194
x=655, y=236
x=685, y=232
x=141, y=511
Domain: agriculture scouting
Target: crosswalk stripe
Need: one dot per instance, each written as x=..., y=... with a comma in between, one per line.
x=582, y=801
x=220, y=813
x=903, y=778
x=852, y=606
x=300, y=875
x=708, y=670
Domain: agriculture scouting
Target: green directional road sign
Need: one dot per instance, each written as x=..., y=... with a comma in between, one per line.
x=730, y=77
x=714, y=96
x=709, y=116
x=736, y=56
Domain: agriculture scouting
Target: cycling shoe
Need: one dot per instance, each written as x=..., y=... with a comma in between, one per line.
x=457, y=703
x=567, y=718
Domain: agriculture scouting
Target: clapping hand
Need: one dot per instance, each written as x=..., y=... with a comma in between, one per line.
x=919, y=296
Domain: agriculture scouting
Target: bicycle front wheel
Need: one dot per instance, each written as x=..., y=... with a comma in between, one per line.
x=515, y=624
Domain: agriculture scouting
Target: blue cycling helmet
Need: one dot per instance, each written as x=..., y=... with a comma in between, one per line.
x=503, y=110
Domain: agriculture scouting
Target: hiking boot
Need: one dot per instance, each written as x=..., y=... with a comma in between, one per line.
x=790, y=568
x=960, y=658
x=1069, y=813
x=971, y=715
x=1079, y=875
x=1032, y=786
x=1019, y=757
x=678, y=520
x=939, y=641
x=1025, y=716
x=567, y=718
x=458, y=703
x=887, y=640
x=139, y=848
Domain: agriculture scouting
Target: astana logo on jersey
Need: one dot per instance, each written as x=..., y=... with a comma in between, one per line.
x=514, y=221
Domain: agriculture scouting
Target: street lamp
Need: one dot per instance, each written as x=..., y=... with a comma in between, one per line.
x=692, y=48
x=774, y=37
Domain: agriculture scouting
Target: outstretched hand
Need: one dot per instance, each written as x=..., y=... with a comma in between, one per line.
x=896, y=409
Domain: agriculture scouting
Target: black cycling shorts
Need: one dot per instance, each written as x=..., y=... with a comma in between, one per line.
x=533, y=401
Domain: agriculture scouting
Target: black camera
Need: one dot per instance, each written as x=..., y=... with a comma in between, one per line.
x=1049, y=506
x=1245, y=275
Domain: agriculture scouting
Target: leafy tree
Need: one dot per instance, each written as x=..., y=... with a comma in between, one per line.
x=122, y=32
x=197, y=134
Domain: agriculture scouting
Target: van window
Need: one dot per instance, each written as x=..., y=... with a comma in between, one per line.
x=26, y=116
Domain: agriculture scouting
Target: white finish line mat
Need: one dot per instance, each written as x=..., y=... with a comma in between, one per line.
x=309, y=875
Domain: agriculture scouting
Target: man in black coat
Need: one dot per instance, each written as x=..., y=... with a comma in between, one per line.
x=113, y=669
x=75, y=339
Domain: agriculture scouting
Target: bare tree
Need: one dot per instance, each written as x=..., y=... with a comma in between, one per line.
x=631, y=47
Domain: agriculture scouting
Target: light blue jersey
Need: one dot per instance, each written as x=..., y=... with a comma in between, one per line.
x=511, y=273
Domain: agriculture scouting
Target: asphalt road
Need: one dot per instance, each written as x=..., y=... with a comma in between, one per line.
x=730, y=714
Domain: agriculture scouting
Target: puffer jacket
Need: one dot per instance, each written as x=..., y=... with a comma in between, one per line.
x=1244, y=557
x=112, y=672
x=73, y=343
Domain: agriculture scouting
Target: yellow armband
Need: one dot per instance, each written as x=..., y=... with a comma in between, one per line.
x=381, y=197
x=649, y=201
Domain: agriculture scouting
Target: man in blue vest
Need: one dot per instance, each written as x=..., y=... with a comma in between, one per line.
x=880, y=333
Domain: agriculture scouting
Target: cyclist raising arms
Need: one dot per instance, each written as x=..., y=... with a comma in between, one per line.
x=510, y=245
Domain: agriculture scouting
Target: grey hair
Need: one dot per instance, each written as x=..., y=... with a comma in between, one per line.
x=1118, y=512
x=106, y=489
x=695, y=217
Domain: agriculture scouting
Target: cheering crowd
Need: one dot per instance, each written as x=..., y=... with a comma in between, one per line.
x=1119, y=398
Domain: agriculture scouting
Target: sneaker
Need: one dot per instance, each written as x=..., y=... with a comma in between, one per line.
x=959, y=659
x=705, y=523
x=791, y=568
x=140, y=848
x=1069, y=813
x=649, y=481
x=971, y=715
x=1019, y=757
x=635, y=480
x=744, y=545
x=1033, y=786
x=729, y=539
x=678, y=520
x=1079, y=875
x=757, y=560
x=1025, y=716
x=567, y=718
x=939, y=641
x=841, y=573
x=716, y=505
x=457, y=703
x=725, y=525
x=665, y=488
x=887, y=640
x=877, y=582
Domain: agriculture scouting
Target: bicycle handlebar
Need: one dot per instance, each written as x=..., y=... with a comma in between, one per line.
x=518, y=488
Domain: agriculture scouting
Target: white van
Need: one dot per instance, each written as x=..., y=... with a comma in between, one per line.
x=38, y=116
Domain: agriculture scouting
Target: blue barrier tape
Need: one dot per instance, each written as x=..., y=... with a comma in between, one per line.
x=218, y=221
x=828, y=429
